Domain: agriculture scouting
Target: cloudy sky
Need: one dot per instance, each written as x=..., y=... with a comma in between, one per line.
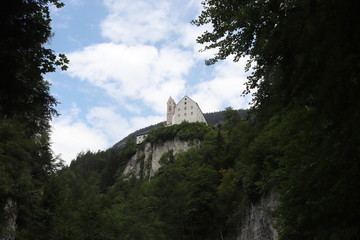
x=126, y=58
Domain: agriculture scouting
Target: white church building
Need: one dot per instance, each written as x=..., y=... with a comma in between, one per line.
x=186, y=110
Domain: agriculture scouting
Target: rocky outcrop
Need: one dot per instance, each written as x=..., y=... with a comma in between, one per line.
x=10, y=216
x=145, y=162
x=258, y=223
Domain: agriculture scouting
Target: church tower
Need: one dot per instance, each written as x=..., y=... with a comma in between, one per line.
x=170, y=111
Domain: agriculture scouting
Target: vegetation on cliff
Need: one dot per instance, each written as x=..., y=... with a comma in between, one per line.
x=198, y=194
x=184, y=131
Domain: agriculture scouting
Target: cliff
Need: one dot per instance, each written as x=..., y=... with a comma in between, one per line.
x=180, y=183
x=10, y=216
x=145, y=162
x=257, y=224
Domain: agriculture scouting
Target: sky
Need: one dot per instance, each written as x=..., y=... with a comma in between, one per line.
x=127, y=57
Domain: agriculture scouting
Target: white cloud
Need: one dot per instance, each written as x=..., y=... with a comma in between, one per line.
x=114, y=126
x=71, y=136
x=225, y=89
x=187, y=38
x=101, y=128
x=141, y=122
x=133, y=73
x=108, y=122
x=135, y=22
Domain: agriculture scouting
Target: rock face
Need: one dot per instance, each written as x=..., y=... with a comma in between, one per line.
x=10, y=216
x=258, y=223
x=145, y=162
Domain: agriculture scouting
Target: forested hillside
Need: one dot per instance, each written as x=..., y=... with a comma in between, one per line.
x=198, y=194
x=301, y=141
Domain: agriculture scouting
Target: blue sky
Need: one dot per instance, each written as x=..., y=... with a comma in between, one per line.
x=126, y=58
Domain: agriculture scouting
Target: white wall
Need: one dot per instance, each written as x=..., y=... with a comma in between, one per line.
x=140, y=138
x=188, y=110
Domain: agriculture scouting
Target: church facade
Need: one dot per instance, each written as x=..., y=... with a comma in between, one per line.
x=186, y=110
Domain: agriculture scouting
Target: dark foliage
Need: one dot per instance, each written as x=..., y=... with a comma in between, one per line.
x=185, y=131
x=190, y=192
x=216, y=118
x=305, y=68
x=26, y=108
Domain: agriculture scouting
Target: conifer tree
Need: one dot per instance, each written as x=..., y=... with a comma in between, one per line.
x=26, y=109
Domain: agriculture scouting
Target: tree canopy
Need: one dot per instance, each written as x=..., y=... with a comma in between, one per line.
x=26, y=108
x=300, y=50
x=25, y=27
x=305, y=68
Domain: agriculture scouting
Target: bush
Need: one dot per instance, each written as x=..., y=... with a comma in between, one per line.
x=185, y=131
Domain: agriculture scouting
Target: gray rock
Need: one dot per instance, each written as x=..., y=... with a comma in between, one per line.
x=258, y=223
x=145, y=162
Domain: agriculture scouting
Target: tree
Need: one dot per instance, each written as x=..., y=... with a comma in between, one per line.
x=26, y=108
x=288, y=42
x=303, y=54
x=24, y=60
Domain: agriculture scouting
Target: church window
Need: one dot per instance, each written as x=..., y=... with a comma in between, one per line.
x=191, y=107
x=185, y=103
x=178, y=115
x=184, y=108
x=192, y=113
x=184, y=114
